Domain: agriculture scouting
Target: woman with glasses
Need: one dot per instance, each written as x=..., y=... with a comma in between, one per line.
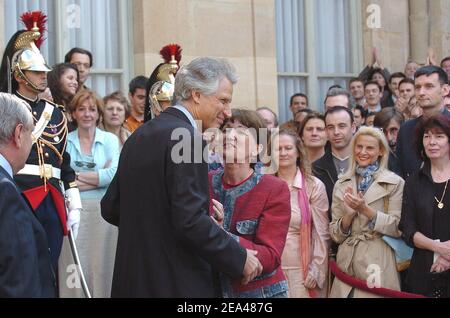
x=94, y=157
x=366, y=205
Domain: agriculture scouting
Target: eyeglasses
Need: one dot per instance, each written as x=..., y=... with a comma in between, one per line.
x=82, y=164
x=85, y=65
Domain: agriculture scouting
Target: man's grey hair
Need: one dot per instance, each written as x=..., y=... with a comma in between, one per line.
x=204, y=75
x=341, y=92
x=13, y=111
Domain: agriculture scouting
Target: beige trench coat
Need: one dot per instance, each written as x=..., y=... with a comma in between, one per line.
x=363, y=254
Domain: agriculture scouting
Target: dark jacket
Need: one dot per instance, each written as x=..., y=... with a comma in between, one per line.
x=325, y=170
x=59, y=159
x=417, y=216
x=168, y=245
x=408, y=159
x=25, y=267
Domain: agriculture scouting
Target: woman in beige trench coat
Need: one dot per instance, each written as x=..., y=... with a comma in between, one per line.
x=366, y=205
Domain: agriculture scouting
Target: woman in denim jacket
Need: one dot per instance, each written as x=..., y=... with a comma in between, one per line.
x=254, y=208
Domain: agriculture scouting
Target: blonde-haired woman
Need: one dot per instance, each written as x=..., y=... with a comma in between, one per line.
x=305, y=256
x=94, y=158
x=366, y=205
x=115, y=112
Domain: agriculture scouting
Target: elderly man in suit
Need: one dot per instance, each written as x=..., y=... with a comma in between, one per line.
x=25, y=266
x=168, y=245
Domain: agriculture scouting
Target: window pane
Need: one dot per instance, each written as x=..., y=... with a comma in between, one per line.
x=108, y=83
x=334, y=51
x=98, y=32
x=288, y=86
x=290, y=35
x=13, y=11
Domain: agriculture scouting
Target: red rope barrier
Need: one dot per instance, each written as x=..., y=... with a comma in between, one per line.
x=359, y=284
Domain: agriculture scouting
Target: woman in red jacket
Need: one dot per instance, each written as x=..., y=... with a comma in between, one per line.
x=256, y=207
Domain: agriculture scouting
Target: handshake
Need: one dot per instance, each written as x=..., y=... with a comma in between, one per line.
x=252, y=268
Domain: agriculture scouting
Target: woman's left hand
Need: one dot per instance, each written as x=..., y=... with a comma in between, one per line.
x=310, y=282
x=440, y=266
x=218, y=212
x=357, y=202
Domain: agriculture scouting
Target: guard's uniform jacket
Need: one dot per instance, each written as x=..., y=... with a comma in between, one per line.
x=46, y=170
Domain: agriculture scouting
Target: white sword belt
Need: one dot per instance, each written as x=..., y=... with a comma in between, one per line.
x=46, y=171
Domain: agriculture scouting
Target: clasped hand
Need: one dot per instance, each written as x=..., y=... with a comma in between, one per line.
x=354, y=202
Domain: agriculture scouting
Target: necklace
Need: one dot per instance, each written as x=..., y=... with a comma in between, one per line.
x=440, y=202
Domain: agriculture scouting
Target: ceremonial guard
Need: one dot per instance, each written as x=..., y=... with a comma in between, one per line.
x=161, y=84
x=47, y=181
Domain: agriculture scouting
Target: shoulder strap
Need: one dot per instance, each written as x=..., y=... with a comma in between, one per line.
x=43, y=122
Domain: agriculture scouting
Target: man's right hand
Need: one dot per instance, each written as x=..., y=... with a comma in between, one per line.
x=252, y=268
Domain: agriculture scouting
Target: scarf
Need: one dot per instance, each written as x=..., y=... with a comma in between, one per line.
x=366, y=175
x=305, y=232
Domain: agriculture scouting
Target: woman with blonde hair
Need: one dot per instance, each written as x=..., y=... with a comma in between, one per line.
x=94, y=158
x=366, y=205
x=115, y=112
x=305, y=257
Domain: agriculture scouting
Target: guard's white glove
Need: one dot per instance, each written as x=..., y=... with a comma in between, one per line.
x=73, y=222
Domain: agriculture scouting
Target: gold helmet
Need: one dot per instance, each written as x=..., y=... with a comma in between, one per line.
x=161, y=85
x=26, y=55
x=161, y=92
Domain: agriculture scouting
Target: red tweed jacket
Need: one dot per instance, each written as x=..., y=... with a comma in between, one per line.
x=257, y=213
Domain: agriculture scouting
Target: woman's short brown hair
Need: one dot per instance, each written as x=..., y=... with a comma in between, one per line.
x=249, y=119
x=119, y=97
x=437, y=124
x=82, y=96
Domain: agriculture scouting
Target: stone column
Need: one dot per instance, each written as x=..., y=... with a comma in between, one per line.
x=440, y=28
x=392, y=38
x=239, y=30
x=265, y=54
x=419, y=20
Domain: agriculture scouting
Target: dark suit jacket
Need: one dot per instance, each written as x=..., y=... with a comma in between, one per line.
x=25, y=267
x=408, y=159
x=168, y=244
x=325, y=170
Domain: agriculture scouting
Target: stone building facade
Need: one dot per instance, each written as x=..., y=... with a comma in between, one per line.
x=245, y=31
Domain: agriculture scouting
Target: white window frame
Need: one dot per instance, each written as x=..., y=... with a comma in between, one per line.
x=62, y=40
x=312, y=75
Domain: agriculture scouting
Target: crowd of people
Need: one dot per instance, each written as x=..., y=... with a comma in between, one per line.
x=123, y=179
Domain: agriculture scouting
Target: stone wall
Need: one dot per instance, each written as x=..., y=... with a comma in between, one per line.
x=392, y=38
x=242, y=31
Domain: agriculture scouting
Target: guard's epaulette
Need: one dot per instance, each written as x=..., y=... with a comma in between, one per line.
x=54, y=104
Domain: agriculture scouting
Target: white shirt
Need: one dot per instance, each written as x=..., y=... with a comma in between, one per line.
x=188, y=115
x=5, y=165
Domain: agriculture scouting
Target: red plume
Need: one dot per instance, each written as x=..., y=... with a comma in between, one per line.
x=171, y=50
x=29, y=19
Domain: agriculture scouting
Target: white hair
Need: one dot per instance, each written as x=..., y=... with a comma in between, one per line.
x=13, y=111
x=204, y=75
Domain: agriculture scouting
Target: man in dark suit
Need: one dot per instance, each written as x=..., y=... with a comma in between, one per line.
x=431, y=85
x=168, y=245
x=25, y=266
